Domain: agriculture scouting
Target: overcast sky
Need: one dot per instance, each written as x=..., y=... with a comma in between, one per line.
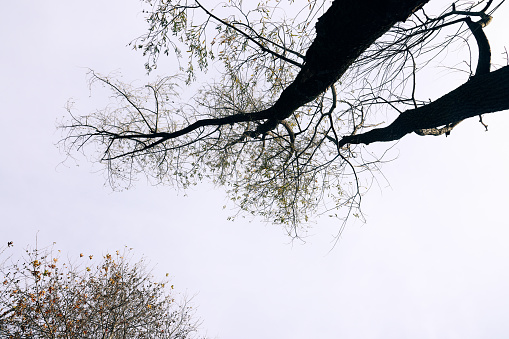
x=431, y=261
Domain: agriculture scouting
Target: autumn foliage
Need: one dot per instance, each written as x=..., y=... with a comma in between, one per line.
x=43, y=297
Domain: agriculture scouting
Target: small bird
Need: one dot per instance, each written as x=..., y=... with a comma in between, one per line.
x=9, y=244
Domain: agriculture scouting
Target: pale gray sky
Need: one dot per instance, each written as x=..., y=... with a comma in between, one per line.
x=432, y=261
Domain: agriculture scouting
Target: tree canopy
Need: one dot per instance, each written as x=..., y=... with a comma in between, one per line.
x=42, y=296
x=301, y=87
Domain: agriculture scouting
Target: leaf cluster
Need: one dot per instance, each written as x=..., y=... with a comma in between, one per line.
x=43, y=297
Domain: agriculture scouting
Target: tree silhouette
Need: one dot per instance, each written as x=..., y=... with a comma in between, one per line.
x=282, y=127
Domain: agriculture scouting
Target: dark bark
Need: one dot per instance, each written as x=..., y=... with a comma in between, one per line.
x=483, y=67
x=346, y=30
x=484, y=61
x=486, y=93
x=343, y=33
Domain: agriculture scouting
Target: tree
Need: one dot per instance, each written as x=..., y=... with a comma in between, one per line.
x=283, y=126
x=41, y=297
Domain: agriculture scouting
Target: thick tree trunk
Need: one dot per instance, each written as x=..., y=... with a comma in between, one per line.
x=343, y=33
x=485, y=93
x=346, y=30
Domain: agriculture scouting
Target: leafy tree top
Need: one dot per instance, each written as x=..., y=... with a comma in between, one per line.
x=43, y=297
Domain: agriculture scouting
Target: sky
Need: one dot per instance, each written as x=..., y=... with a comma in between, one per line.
x=431, y=261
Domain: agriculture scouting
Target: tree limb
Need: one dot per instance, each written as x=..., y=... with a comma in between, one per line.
x=485, y=93
x=483, y=67
x=484, y=62
x=340, y=39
